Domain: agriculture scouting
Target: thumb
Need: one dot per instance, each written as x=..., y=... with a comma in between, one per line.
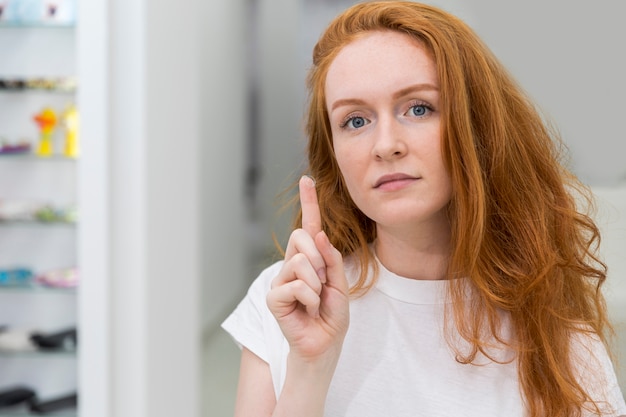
x=335, y=273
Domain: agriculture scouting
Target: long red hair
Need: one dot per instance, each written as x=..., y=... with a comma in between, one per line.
x=518, y=235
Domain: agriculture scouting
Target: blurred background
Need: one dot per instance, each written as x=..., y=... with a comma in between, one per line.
x=191, y=125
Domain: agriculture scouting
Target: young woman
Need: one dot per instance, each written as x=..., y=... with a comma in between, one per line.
x=440, y=266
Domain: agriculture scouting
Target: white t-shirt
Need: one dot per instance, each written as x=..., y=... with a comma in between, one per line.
x=396, y=361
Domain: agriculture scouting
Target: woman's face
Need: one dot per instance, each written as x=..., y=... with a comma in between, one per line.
x=382, y=96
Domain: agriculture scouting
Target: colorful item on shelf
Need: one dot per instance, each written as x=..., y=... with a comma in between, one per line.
x=57, y=84
x=47, y=121
x=14, y=395
x=38, y=12
x=16, y=340
x=41, y=83
x=29, y=340
x=58, y=278
x=60, y=340
x=70, y=122
x=14, y=149
x=8, y=84
x=32, y=211
x=18, y=396
x=49, y=214
x=16, y=277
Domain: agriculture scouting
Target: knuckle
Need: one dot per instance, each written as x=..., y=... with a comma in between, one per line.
x=300, y=259
x=299, y=286
x=298, y=234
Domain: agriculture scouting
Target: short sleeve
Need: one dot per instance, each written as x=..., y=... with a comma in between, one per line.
x=597, y=374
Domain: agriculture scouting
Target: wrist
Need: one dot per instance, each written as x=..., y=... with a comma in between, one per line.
x=319, y=368
x=306, y=385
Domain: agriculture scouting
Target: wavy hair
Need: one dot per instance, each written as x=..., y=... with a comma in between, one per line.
x=518, y=235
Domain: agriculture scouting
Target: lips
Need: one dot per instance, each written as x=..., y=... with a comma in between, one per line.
x=385, y=179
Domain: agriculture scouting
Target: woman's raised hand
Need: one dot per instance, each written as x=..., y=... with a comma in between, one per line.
x=309, y=296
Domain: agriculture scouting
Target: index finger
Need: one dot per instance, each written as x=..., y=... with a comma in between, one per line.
x=311, y=217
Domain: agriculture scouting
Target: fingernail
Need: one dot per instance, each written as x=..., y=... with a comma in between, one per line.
x=322, y=274
x=309, y=180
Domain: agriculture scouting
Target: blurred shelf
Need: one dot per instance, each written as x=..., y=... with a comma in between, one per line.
x=28, y=156
x=39, y=69
x=47, y=90
x=43, y=83
x=28, y=223
x=72, y=413
x=37, y=25
x=39, y=354
x=37, y=289
x=24, y=90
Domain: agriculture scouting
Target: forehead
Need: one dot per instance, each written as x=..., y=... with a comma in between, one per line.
x=379, y=61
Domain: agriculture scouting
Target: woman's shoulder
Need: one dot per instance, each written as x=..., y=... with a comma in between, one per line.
x=594, y=370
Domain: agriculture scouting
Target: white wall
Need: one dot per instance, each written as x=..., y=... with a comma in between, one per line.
x=569, y=57
x=281, y=96
x=222, y=31
x=162, y=111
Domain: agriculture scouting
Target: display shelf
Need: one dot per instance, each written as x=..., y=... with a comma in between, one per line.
x=30, y=223
x=37, y=25
x=29, y=156
x=73, y=413
x=64, y=353
x=37, y=289
x=49, y=91
x=38, y=76
x=66, y=85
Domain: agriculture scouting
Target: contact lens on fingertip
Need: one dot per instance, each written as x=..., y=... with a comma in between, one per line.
x=310, y=180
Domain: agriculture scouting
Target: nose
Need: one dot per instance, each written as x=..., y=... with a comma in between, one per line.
x=389, y=142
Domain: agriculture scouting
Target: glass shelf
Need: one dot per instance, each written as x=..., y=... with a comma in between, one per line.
x=29, y=156
x=61, y=353
x=45, y=90
x=16, y=223
x=20, y=413
x=37, y=25
x=37, y=289
x=60, y=91
x=45, y=83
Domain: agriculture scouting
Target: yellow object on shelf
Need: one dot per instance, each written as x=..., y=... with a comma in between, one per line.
x=47, y=121
x=70, y=122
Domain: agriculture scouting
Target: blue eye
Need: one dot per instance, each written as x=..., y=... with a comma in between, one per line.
x=419, y=110
x=357, y=122
x=354, y=122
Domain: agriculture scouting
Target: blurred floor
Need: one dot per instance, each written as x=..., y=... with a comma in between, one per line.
x=221, y=371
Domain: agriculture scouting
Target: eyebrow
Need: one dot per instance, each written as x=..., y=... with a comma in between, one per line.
x=415, y=88
x=400, y=93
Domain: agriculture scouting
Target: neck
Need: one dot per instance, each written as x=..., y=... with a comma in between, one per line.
x=419, y=254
